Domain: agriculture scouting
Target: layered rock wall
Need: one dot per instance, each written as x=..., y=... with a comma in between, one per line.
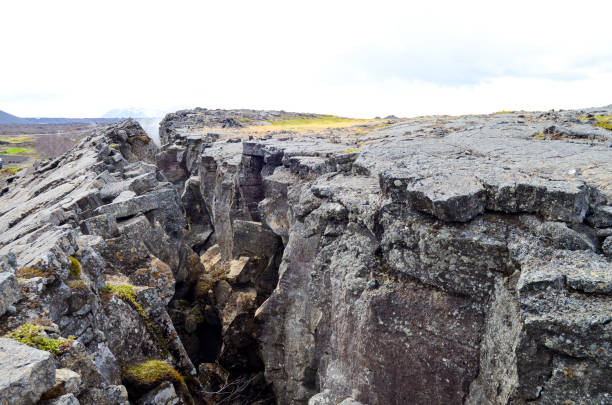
x=438, y=260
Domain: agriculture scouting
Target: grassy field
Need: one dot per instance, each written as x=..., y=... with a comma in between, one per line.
x=16, y=151
x=322, y=122
x=15, y=139
x=306, y=126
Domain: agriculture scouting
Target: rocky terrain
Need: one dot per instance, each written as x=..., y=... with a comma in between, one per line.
x=433, y=260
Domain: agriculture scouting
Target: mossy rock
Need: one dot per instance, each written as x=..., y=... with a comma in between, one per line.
x=32, y=335
x=127, y=294
x=142, y=377
x=75, y=267
x=28, y=272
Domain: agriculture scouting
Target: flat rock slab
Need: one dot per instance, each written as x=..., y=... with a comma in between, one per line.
x=26, y=373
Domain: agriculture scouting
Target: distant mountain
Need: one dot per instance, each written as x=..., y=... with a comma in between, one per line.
x=133, y=112
x=6, y=118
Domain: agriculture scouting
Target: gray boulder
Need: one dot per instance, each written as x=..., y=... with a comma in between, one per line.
x=27, y=373
x=10, y=291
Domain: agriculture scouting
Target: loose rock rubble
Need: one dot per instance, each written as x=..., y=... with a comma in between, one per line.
x=435, y=260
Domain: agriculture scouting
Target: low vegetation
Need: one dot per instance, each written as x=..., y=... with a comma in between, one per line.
x=75, y=267
x=318, y=123
x=602, y=121
x=28, y=272
x=152, y=372
x=10, y=171
x=33, y=335
x=17, y=151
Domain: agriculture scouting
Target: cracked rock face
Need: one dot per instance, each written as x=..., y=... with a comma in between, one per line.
x=436, y=260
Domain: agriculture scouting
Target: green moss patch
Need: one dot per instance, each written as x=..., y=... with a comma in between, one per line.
x=31, y=335
x=602, y=121
x=151, y=372
x=75, y=267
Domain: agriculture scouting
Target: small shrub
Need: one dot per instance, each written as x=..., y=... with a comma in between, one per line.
x=77, y=285
x=75, y=267
x=28, y=272
x=31, y=335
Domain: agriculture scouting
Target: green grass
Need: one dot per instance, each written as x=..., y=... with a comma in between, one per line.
x=16, y=138
x=31, y=335
x=323, y=121
x=17, y=151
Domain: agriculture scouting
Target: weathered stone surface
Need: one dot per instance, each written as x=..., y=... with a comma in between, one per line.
x=26, y=373
x=162, y=395
x=66, y=382
x=67, y=399
x=432, y=260
x=9, y=291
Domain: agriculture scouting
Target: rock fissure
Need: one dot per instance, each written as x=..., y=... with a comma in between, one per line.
x=297, y=269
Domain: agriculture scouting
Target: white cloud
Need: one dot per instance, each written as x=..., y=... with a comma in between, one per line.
x=357, y=58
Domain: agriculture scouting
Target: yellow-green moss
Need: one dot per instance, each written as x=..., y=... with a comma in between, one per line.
x=604, y=124
x=151, y=373
x=352, y=150
x=9, y=171
x=318, y=122
x=75, y=267
x=503, y=112
x=28, y=272
x=31, y=335
x=127, y=294
x=602, y=121
x=115, y=146
x=539, y=136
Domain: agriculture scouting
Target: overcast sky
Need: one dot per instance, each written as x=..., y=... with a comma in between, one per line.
x=352, y=58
